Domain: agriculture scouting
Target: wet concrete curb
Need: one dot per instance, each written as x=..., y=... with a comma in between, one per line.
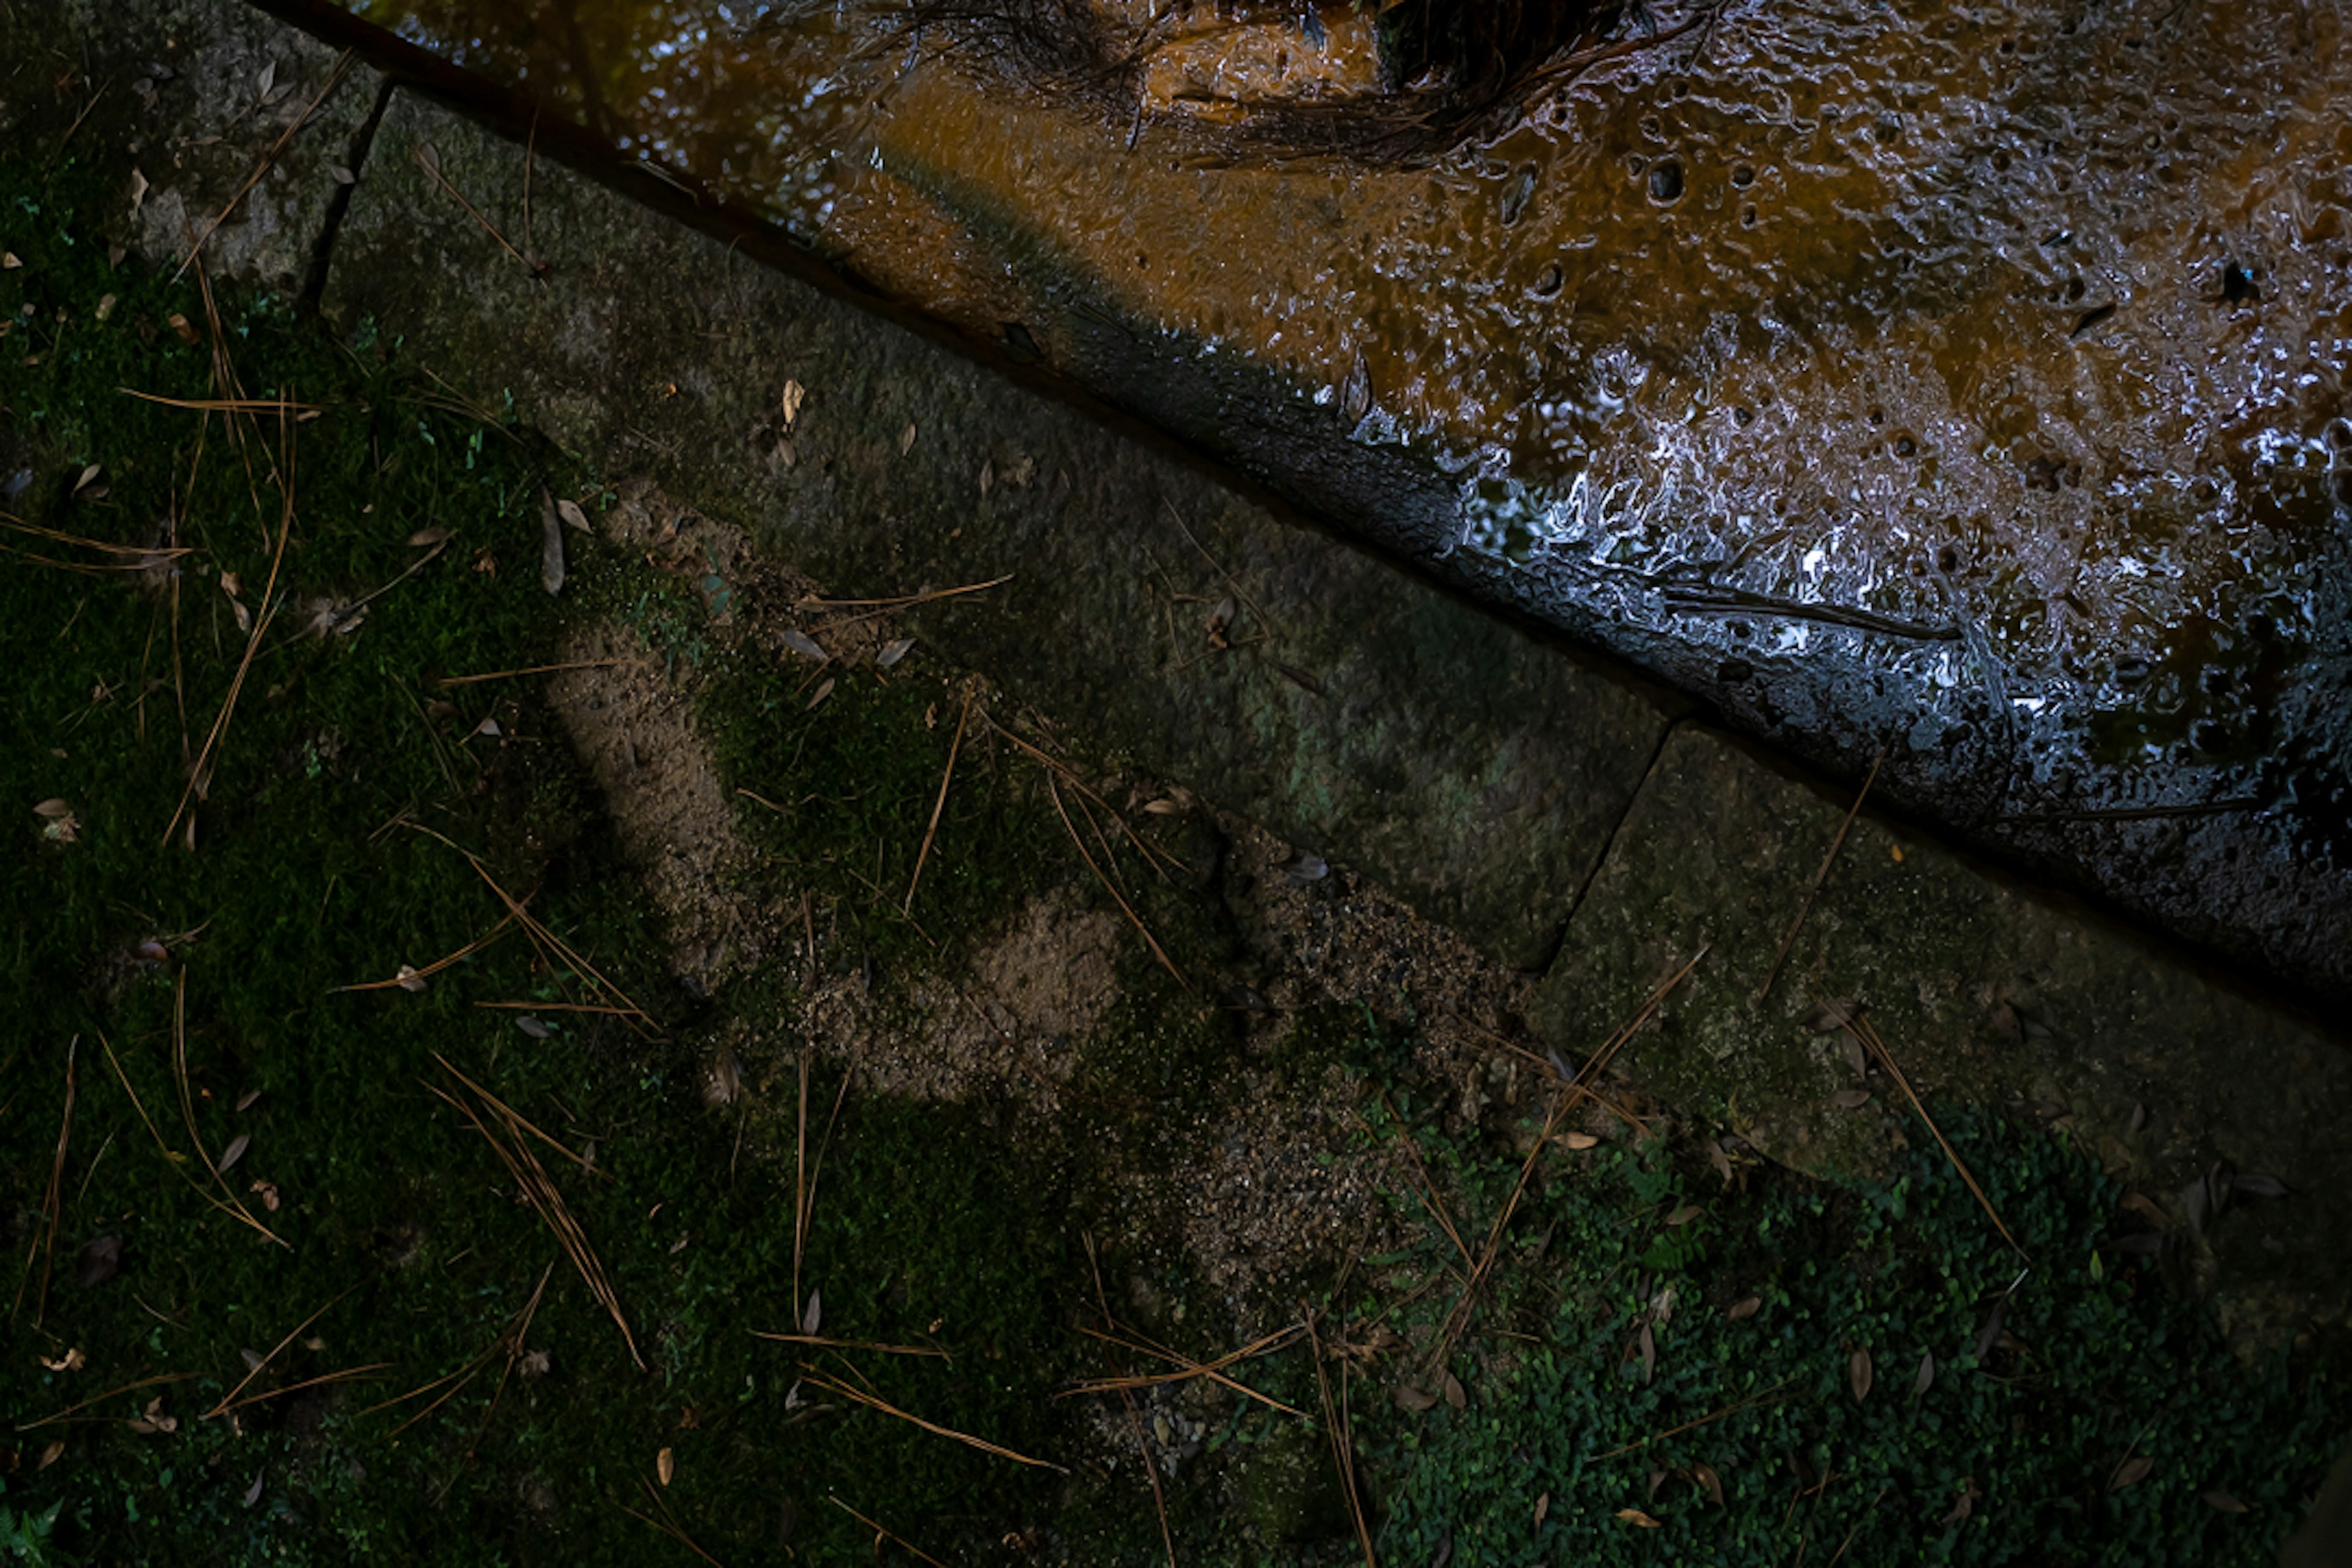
x=1981, y=990
x=1503, y=786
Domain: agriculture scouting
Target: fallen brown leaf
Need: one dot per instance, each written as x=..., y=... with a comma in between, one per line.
x=2222, y=1501
x=1721, y=1160
x=1746, y=1307
x=666, y=1466
x=2131, y=1472
x=1857, y=1374
x=1635, y=1516
x=1412, y=1396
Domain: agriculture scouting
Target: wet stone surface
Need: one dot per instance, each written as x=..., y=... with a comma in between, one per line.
x=1393, y=736
x=1963, y=382
x=236, y=130
x=1285, y=675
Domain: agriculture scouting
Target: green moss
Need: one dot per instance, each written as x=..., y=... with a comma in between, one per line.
x=328, y=853
x=848, y=787
x=2100, y=1362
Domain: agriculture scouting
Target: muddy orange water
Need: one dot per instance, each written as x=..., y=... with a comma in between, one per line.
x=1962, y=377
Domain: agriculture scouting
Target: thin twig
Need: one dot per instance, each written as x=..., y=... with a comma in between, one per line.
x=1342, y=1446
x=514, y=1116
x=226, y=405
x=1129, y=910
x=1805, y=907
x=402, y=981
x=1213, y=1371
x=1134, y=1418
x=882, y=1533
x=808, y=1212
x=982, y=1444
x=255, y=1369
x=881, y=607
x=1230, y=581
x=140, y=553
x=430, y=162
x=1069, y=775
x=53, y=1200
x=172, y=1157
x=1429, y=1188
x=823, y=1342
x=510, y=1340
x=904, y=601
x=668, y=1523
x=559, y=1007
x=1459, y=1319
x=1641, y=1127
x=1599, y=1063
x=939, y=807
x=188, y=1104
x=1734, y=1409
x=199, y=776
x=343, y=1375
x=799, y=1177
x=531, y=1180
x=72, y=1410
x=334, y=81
x=549, y=941
x=1867, y=1033
x=538, y=669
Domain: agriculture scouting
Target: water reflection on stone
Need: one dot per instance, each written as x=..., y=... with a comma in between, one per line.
x=1965, y=378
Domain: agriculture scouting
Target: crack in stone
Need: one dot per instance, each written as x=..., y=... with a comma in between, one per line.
x=314, y=277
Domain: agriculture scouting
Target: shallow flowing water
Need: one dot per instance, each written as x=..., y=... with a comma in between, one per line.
x=1961, y=378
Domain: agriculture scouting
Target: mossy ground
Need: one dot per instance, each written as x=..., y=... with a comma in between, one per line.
x=331, y=848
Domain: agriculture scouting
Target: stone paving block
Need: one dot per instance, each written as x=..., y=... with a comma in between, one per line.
x=1983, y=991
x=182, y=102
x=1361, y=713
